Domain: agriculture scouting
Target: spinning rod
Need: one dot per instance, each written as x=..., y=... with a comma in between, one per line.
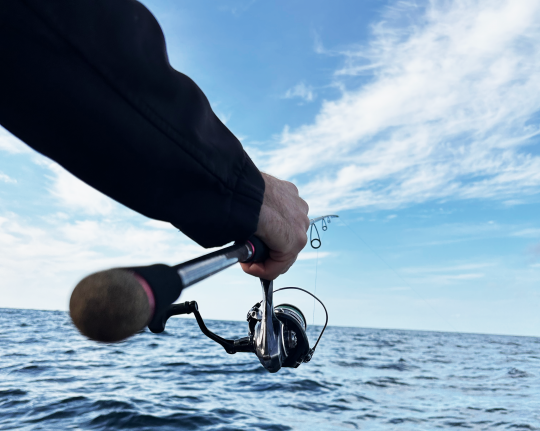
x=112, y=305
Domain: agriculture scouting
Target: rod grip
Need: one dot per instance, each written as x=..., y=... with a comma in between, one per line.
x=112, y=305
x=166, y=286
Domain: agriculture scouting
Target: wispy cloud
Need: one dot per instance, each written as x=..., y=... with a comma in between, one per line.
x=447, y=114
x=301, y=91
x=528, y=233
x=7, y=179
x=237, y=7
x=446, y=275
x=451, y=275
x=449, y=269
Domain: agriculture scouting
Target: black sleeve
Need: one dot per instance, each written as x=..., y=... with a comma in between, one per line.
x=88, y=84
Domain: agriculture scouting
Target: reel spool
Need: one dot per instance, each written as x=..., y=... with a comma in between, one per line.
x=294, y=334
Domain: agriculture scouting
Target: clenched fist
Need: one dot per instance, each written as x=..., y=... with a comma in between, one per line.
x=283, y=225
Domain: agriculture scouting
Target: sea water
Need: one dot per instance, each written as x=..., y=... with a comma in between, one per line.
x=52, y=378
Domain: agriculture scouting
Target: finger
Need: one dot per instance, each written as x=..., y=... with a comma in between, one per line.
x=258, y=270
x=289, y=266
x=270, y=269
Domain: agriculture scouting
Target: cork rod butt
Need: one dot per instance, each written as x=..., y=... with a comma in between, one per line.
x=109, y=306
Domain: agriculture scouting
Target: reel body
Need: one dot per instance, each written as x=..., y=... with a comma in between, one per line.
x=278, y=333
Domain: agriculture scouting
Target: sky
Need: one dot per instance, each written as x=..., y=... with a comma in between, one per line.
x=416, y=122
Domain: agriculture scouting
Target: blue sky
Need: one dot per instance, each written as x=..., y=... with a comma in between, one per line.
x=416, y=122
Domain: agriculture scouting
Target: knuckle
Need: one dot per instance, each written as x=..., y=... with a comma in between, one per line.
x=302, y=240
x=293, y=187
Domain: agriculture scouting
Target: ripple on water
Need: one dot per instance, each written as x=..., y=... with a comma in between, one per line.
x=400, y=365
x=523, y=426
x=122, y=420
x=351, y=364
x=385, y=382
x=32, y=369
x=12, y=393
x=515, y=373
x=306, y=385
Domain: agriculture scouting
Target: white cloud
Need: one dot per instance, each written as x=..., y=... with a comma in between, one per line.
x=441, y=279
x=11, y=144
x=42, y=264
x=452, y=268
x=75, y=195
x=157, y=224
x=448, y=113
x=309, y=255
x=472, y=276
x=455, y=274
x=528, y=233
x=301, y=91
x=7, y=179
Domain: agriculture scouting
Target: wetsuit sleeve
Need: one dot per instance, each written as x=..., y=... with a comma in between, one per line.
x=88, y=84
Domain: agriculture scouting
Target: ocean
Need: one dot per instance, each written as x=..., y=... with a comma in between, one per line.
x=51, y=378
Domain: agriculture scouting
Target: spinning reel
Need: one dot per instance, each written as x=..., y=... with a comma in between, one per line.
x=277, y=334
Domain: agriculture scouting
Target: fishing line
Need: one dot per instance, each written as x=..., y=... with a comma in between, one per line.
x=401, y=278
x=315, y=289
x=323, y=306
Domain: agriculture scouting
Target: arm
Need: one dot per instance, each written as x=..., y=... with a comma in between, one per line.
x=283, y=223
x=88, y=84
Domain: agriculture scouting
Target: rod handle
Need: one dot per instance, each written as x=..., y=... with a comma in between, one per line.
x=260, y=249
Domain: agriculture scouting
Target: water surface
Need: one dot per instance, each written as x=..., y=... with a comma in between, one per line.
x=51, y=378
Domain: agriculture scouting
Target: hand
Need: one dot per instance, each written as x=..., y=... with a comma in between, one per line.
x=283, y=225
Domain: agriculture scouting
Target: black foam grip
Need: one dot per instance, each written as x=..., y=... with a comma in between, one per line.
x=261, y=251
x=166, y=286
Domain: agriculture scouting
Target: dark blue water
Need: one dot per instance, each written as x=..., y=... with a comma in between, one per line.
x=51, y=378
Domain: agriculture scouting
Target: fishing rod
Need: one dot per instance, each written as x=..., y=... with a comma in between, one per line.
x=115, y=304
